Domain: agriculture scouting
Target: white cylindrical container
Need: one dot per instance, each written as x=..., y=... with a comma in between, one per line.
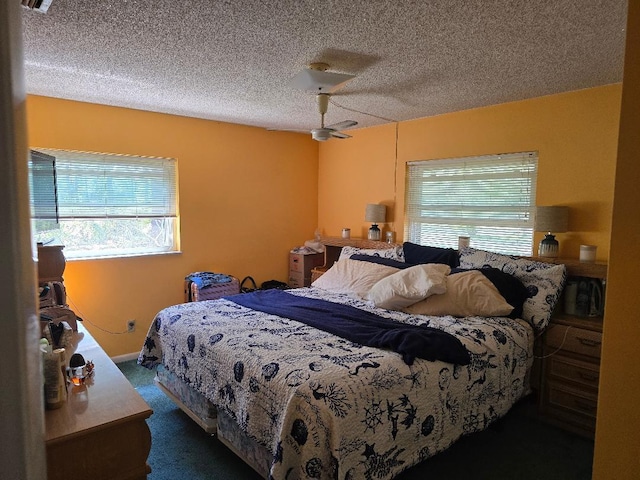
x=55, y=385
x=391, y=237
x=588, y=253
x=346, y=233
x=463, y=242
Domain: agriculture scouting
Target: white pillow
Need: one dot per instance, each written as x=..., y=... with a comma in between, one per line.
x=468, y=294
x=353, y=277
x=394, y=253
x=409, y=286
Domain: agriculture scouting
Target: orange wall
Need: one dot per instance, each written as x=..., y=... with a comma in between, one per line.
x=574, y=133
x=618, y=424
x=247, y=195
x=353, y=173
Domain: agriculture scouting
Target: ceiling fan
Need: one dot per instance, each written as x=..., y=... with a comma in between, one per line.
x=316, y=79
x=326, y=132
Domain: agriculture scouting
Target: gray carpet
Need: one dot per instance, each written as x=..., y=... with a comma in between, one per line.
x=519, y=446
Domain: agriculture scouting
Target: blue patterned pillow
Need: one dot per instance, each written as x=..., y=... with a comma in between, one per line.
x=544, y=281
x=395, y=252
x=390, y=262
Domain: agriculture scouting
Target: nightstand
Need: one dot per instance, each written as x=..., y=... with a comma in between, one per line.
x=570, y=373
x=300, y=266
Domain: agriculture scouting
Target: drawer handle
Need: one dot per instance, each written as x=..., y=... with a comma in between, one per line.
x=585, y=405
x=588, y=342
x=588, y=376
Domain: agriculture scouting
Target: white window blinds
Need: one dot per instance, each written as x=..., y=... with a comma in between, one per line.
x=114, y=186
x=488, y=198
x=42, y=177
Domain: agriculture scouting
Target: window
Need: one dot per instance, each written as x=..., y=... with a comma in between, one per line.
x=489, y=198
x=43, y=191
x=112, y=205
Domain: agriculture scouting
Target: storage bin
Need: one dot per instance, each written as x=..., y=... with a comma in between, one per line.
x=194, y=294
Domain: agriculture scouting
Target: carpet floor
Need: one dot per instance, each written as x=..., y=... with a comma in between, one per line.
x=519, y=446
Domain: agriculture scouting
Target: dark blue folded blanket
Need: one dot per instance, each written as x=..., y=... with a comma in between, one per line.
x=359, y=326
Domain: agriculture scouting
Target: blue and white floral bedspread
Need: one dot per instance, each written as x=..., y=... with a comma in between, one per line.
x=328, y=408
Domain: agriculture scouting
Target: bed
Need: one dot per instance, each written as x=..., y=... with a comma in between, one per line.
x=296, y=401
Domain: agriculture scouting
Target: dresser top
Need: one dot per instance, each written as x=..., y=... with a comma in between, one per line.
x=107, y=397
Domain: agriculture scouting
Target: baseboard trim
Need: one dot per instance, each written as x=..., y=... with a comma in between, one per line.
x=125, y=358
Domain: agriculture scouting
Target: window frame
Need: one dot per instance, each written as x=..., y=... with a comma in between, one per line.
x=447, y=198
x=133, y=198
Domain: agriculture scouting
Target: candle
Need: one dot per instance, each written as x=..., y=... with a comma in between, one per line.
x=391, y=237
x=588, y=253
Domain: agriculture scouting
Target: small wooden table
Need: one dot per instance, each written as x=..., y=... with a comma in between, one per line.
x=100, y=432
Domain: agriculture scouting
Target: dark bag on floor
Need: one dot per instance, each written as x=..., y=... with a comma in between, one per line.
x=271, y=284
x=247, y=285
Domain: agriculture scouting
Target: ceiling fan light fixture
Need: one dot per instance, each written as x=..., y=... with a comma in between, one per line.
x=319, y=81
x=321, y=134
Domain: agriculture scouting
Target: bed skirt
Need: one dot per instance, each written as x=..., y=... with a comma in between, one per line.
x=193, y=403
x=212, y=421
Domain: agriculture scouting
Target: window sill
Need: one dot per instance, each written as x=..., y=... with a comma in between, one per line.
x=124, y=256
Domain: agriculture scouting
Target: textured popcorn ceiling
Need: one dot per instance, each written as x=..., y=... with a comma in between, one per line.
x=232, y=60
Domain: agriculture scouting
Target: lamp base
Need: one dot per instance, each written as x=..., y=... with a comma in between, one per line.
x=374, y=232
x=548, y=246
x=51, y=263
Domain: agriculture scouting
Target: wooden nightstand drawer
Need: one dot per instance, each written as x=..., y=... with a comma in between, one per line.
x=296, y=262
x=576, y=340
x=569, y=412
x=296, y=279
x=583, y=373
x=575, y=400
x=300, y=266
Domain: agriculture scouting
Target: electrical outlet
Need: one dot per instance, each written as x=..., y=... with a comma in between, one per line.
x=131, y=326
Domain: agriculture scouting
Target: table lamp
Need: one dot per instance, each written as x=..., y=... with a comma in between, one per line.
x=375, y=213
x=550, y=219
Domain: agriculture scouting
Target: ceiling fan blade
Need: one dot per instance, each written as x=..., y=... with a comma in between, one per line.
x=287, y=130
x=342, y=125
x=340, y=135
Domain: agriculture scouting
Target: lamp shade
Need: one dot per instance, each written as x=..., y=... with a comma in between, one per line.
x=552, y=219
x=375, y=213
